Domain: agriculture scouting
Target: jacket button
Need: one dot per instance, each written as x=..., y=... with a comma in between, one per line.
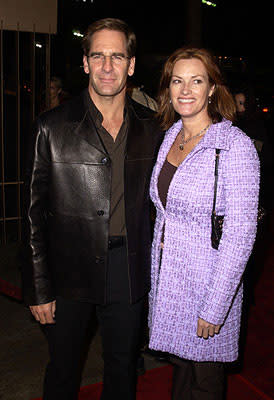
x=104, y=160
x=100, y=212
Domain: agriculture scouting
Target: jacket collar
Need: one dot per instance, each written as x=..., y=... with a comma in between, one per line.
x=83, y=125
x=216, y=136
x=138, y=131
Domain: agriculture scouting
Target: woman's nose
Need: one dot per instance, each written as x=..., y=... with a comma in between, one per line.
x=186, y=88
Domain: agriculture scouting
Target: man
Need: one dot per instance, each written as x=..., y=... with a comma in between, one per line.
x=88, y=213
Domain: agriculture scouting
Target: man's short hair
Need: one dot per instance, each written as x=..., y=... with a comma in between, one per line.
x=112, y=24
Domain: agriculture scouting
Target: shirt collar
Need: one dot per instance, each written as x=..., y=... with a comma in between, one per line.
x=95, y=114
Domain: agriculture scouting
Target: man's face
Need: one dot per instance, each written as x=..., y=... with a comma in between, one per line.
x=107, y=64
x=54, y=90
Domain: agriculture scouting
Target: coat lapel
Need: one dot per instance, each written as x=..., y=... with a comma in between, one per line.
x=214, y=138
x=141, y=138
x=87, y=131
x=82, y=125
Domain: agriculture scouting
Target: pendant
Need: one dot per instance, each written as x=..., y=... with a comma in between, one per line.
x=181, y=147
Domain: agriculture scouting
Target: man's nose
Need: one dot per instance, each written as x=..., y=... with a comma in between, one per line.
x=107, y=63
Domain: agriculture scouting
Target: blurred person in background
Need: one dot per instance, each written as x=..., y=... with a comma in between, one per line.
x=138, y=94
x=249, y=119
x=57, y=93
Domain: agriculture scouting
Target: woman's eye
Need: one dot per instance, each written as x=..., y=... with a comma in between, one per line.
x=197, y=81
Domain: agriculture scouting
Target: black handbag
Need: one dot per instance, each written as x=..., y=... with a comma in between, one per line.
x=217, y=220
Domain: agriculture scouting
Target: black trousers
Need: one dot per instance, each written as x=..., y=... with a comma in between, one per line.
x=119, y=324
x=197, y=380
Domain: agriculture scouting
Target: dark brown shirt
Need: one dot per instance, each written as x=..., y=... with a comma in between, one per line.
x=116, y=152
x=165, y=177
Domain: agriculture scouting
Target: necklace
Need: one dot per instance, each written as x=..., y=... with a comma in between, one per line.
x=181, y=145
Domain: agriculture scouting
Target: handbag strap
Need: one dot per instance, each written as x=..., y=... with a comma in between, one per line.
x=217, y=155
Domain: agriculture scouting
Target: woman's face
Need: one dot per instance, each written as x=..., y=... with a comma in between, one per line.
x=240, y=102
x=189, y=88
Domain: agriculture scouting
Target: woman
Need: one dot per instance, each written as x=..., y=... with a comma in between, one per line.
x=196, y=293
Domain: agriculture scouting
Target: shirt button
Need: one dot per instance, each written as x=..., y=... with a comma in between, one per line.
x=100, y=212
x=104, y=160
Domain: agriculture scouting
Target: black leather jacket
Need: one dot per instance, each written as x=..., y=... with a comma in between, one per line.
x=68, y=203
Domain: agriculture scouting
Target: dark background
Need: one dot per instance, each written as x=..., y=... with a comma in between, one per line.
x=232, y=29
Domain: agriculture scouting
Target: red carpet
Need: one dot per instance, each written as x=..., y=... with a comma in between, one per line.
x=10, y=290
x=156, y=385
x=258, y=361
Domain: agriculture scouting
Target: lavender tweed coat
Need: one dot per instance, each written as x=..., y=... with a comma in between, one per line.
x=194, y=280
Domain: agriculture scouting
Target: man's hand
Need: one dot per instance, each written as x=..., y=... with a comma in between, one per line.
x=206, y=329
x=44, y=313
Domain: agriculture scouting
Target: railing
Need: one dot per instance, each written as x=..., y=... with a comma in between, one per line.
x=24, y=75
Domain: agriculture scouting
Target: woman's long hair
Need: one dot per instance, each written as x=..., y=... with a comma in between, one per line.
x=222, y=104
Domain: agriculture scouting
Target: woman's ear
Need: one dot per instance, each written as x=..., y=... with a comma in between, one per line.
x=211, y=90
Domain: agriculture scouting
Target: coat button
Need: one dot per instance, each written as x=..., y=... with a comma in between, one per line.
x=100, y=212
x=104, y=160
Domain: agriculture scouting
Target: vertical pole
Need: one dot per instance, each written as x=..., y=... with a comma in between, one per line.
x=48, y=50
x=4, y=235
x=33, y=86
x=18, y=129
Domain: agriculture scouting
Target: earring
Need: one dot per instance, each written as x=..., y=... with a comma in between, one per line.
x=209, y=99
x=170, y=101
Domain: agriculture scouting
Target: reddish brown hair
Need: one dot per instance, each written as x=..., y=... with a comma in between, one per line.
x=222, y=104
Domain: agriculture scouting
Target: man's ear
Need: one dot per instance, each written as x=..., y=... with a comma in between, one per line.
x=85, y=64
x=131, y=67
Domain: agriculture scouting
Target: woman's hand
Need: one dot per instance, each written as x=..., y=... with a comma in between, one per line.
x=206, y=329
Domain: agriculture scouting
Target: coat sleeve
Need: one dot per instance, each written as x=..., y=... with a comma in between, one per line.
x=241, y=186
x=37, y=286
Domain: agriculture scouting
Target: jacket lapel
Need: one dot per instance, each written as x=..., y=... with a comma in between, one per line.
x=215, y=138
x=139, y=135
x=83, y=126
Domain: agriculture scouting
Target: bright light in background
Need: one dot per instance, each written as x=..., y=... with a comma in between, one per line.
x=77, y=33
x=209, y=3
x=38, y=45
